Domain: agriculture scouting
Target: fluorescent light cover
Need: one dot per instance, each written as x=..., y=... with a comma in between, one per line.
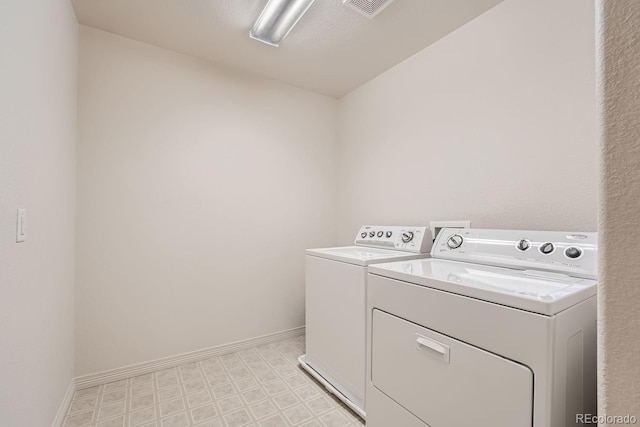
x=278, y=18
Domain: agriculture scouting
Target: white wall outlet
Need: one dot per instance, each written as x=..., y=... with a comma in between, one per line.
x=436, y=226
x=21, y=229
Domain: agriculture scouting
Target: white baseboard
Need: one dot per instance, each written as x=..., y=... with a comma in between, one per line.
x=117, y=374
x=64, y=406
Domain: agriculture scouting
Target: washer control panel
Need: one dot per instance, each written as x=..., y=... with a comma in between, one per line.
x=400, y=238
x=574, y=254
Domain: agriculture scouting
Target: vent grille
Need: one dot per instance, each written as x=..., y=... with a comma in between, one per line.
x=369, y=8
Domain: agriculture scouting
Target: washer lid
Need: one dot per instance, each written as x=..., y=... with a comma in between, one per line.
x=364, y=256
x=531, y=290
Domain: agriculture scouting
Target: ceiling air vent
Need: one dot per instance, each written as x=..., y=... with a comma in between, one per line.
x=368, y=8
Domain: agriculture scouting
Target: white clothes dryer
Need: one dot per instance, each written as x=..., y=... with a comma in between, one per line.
x=497, y=329
x=335, y=302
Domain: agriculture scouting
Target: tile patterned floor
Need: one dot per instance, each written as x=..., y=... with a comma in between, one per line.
x=259, y=387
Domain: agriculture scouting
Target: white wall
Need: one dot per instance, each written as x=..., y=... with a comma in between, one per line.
x=494, y=123
x=38, y=63
x=618, y=292
x=198, y=190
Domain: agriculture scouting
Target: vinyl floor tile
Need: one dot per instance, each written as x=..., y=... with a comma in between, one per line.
x=257, y=387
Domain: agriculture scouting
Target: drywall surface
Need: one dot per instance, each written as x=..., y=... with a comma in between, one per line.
x=199, y=189
x=619, y=293
x=38, y=64
x=494, y=123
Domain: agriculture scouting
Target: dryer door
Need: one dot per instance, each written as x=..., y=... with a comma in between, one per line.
x=445, y=382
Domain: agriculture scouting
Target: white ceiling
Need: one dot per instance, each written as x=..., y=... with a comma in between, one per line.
x=332, y=50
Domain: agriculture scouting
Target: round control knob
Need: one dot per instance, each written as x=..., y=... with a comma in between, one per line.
x=363, y=234
x=523, y=245
x=407, y=236
x=389, y=234
x=573, y=252
x=372, y=233
x=380, y=233
x=455, y=241
x=547, y=247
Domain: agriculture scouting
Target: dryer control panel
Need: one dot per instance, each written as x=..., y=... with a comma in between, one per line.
x=536, y=252
x=400, y=238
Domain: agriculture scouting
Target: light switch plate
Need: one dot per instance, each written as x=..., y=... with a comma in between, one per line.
x=21, y=227
x=436, y=226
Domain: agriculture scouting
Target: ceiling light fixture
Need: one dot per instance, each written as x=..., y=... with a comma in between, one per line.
x=277, y=19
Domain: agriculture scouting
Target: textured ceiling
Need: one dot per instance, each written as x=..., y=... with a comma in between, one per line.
x=332, y=50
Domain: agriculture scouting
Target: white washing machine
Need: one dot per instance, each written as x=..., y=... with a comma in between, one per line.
x=497, y=329
x=335, y=284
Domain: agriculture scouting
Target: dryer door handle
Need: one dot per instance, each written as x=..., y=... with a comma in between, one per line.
x=438, y=347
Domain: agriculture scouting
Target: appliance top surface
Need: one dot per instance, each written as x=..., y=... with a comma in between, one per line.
x=381, y=243
x=362, y=255
x=536, y=291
